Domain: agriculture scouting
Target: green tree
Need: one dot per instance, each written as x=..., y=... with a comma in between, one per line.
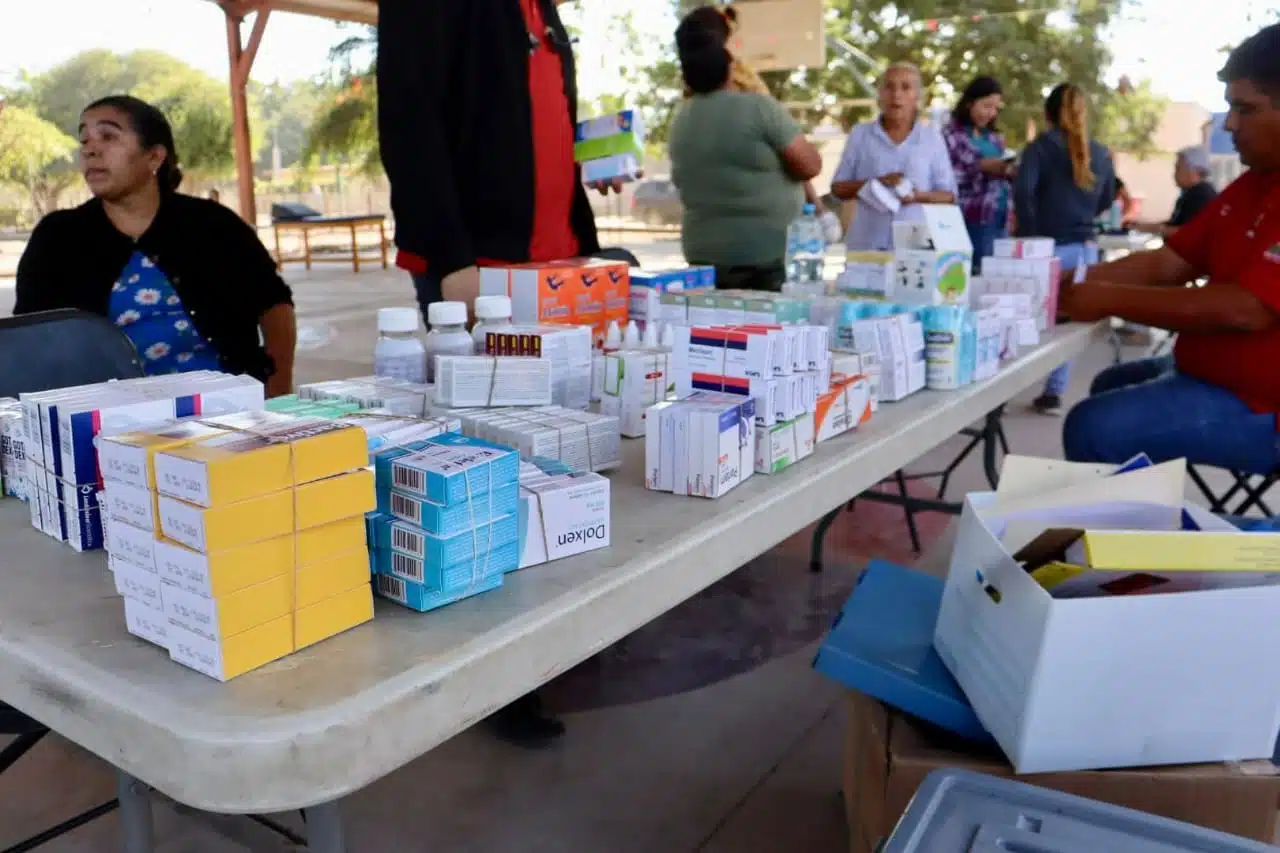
x=1129, y=116
x=35, y=156
x=197, y=105
x=285, y=114
x=1029, y=45
x=345, y=128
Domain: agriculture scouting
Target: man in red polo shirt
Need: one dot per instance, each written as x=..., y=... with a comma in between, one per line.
x=476, y=115
x=1215, y=401
x=476, y=118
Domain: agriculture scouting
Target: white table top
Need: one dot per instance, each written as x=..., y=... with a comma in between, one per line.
x=338, y=716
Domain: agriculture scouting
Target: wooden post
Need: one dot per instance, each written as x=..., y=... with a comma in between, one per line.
x=240, y=58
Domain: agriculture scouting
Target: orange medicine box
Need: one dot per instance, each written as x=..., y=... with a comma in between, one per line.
x=581, y=291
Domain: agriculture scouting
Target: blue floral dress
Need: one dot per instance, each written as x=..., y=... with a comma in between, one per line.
x=149, y=311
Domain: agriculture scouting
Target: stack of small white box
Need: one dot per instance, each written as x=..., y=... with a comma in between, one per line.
x=584, y=441
x=385, y=394
x=701, y=446
x=13, y=453
x=634, y=380
x=1025, y=265
x=561, y=513
x=568, y=348
x=62, y=426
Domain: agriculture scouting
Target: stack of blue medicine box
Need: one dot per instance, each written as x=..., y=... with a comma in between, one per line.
x=447, y=525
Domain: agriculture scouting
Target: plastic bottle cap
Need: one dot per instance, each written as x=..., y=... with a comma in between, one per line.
x=447, y=314
x=397, y=320
x=809, y=208
x=493, y=307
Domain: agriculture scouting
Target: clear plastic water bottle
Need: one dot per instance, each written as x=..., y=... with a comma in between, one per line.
x=806, y=252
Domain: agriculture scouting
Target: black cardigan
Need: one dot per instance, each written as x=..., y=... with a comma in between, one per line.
x=214, y=260
x=455, y=127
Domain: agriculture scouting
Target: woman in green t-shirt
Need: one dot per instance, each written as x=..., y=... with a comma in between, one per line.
x=739, y=160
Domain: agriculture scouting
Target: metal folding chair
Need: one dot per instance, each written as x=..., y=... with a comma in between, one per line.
x=1251, y=488
x=40, y=352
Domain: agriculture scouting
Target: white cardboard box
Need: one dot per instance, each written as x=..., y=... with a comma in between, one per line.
x=1095, y=683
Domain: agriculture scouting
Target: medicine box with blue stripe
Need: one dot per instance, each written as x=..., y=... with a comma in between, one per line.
x=439, y=554
x=417, y=597
x=454, y=472
x=447, y=520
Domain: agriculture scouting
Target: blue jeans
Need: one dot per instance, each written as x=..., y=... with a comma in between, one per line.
x=1146, y=406
x=1072, y=255
x=984, y=239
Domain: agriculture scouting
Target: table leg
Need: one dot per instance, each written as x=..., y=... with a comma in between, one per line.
x=136, y=827
x=324, y=829
x=993, y=441
x=355, y=251
x=279, y=254
x=382, y=242
x=820, y=536
x=306, y=246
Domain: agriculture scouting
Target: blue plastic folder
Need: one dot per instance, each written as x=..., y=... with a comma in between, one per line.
x=882, y=645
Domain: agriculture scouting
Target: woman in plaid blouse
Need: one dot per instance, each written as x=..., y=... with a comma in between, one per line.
x=983, y=173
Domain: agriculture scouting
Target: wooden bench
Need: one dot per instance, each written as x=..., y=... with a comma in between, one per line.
x=353, y=225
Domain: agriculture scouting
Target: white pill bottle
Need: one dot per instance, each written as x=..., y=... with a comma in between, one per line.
x=493, y=314
x=399, y=353
x=448, y=335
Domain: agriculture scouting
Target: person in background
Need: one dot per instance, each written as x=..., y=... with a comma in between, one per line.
x=186, y=280
x=895, y=146
x=1064, y=181
x=477, y=107
x=1191, y=174
x=983, y=172
x=1216, y=400
x=477, y=113
x=739, y=161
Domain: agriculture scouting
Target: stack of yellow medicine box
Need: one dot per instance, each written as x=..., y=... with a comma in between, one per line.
x=261, y=549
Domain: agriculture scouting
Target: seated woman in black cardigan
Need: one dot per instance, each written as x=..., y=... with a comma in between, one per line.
x=184, y=278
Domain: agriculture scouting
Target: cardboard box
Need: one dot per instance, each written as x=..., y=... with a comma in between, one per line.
x=129, y=458
x=333, y=615
x=634, y=380
x=781, y=446
x=887, y=756
x=933, y=264
x=577, y=291
x=222, y=572
x=868, y=275
x=563, y=516
x=1158, y=691
x=232, y=656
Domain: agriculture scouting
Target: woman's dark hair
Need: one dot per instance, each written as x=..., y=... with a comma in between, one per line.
x=979, y=88
x=702, y=41
x=153, y=131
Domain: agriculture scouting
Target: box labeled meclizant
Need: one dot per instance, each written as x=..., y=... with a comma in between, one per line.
x=727, y=351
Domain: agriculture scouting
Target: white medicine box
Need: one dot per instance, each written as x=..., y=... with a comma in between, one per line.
x=1117, y=681
x=934, y=256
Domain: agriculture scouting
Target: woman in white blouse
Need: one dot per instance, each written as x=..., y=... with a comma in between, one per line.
x=893, y=147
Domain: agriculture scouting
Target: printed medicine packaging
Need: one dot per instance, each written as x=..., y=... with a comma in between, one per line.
x=729, y=351
x=846, y=406
x=938, y=273
x=868, y=275
x=783, y=445
x=562, y=516
x=1036, y=276
x=634, y=380
x=491, y=381
x=648, y=287
x=583, y=441
x=578, y=291
x=568, y=348
x=451, y=474
x=129, y=458
x=81, y=421
x=1029, y=248
x=441, y=563
x=703, y=446
x=610, y=135
x=619, y=167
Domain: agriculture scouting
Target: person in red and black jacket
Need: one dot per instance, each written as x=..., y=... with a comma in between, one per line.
x=477, y=104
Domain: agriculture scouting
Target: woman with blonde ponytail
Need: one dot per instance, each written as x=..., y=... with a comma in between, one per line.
x=1065, y=179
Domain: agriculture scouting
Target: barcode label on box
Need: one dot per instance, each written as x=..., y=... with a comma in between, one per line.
x=408, y=478
x=392, y=588
x=409, y=568
x=407, y=541
x=406, y=508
